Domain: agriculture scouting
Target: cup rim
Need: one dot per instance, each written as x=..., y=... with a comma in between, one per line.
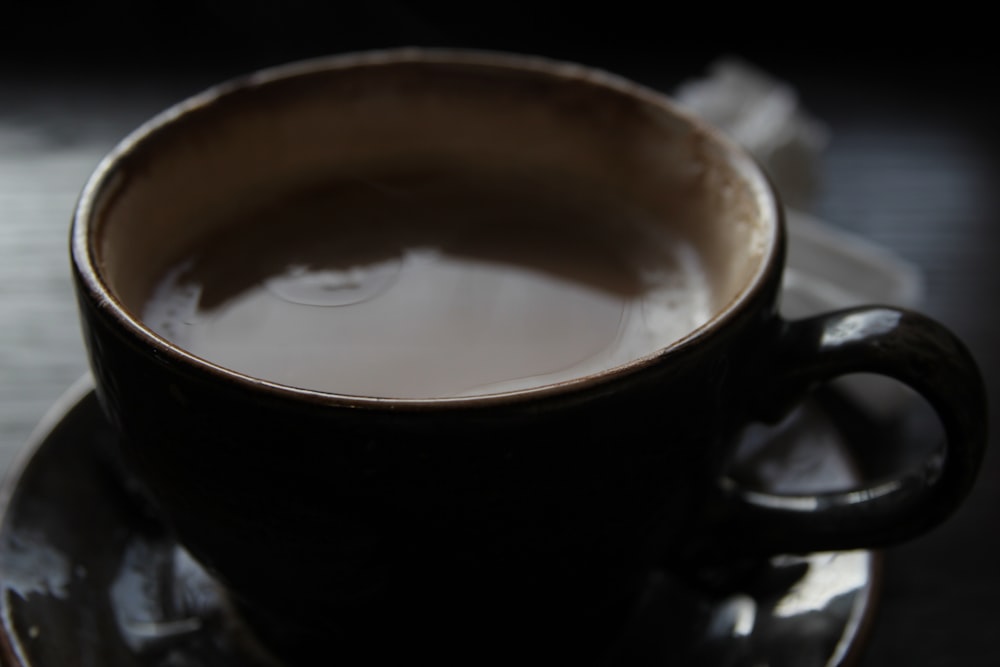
x=108, y=171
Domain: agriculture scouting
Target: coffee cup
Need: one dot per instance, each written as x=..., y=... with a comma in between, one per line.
x=439, y=353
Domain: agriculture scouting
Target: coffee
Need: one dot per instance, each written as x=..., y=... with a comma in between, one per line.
x=432, y=281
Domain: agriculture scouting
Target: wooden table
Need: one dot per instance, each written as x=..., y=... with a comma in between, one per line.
x=913, y=165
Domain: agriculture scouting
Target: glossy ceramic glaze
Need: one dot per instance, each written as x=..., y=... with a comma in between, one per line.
x=335, y=518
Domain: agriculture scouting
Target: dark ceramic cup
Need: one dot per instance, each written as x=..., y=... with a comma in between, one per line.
x=521, y=525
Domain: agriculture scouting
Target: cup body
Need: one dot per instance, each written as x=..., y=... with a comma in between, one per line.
x=538, y=516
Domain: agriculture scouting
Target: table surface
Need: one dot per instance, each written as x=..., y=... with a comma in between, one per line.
x=912, y=165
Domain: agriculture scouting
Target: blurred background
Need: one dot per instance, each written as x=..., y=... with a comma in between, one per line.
x=912, y=164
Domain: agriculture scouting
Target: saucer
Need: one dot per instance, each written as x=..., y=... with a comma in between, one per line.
x=89, y=575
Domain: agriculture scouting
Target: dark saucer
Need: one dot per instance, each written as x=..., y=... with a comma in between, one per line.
x=88, y=577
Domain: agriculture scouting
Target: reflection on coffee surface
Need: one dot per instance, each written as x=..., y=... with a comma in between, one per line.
x=433, y=282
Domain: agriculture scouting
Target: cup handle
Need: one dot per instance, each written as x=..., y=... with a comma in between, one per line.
x=900, y=344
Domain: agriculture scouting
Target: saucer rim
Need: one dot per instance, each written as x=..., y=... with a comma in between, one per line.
x=11, y=653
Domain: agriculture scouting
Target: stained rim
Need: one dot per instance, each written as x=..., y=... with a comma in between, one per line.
x=109, y=171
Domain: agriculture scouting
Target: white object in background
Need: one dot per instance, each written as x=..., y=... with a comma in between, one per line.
x=765, y=116
x=828, y=269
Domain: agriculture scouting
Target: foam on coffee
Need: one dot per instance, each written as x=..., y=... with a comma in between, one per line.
x=433, y=282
